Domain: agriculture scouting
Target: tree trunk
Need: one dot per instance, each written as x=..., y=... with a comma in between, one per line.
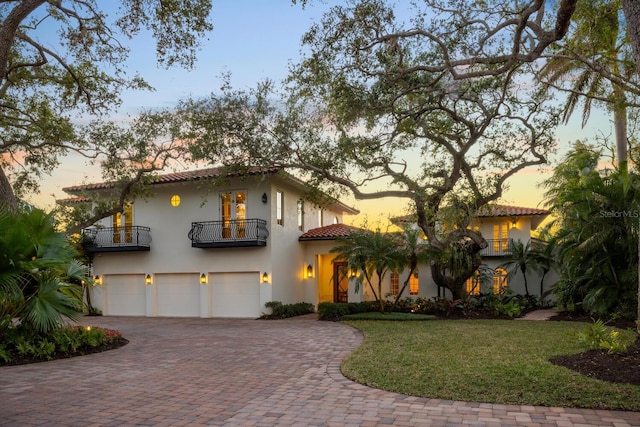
x=632, y=15
x=8, y=199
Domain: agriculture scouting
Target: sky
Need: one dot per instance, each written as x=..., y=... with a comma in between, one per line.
x=255, y=40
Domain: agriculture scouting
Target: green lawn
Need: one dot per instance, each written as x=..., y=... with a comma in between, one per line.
x=492, y=361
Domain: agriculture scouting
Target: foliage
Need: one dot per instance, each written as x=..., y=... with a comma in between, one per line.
x=372, y=255
x=596, y=236
x=282, y=311
x=387, y=316
x=22, y=344
x=519, y=259
x=60, y=61
x=335, y=311
x=487, y=361
x=39, y=277
x=597, y=335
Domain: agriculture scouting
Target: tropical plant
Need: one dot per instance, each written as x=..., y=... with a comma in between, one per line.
x=373, y=255
x=597, y=234
x=39, y=277
x=415, y=251
x=519, y=259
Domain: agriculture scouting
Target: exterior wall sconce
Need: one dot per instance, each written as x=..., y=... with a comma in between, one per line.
x=148, y=280
x=264, y=198
x=97, y=280
x=416, y=274
x=203, y=279
x=353, y=273
x=309, y=271
x=514, y=222
x=265, y=278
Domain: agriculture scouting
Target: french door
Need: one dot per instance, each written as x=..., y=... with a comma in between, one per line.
x=233, y=213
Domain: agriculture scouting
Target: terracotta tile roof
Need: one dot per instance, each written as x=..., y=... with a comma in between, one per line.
x=178, y=177
x=506, y=210
x=72, y=200
x=489, y=211
x=329, y=232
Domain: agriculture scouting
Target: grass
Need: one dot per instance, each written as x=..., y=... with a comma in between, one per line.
x=489, y=361
x=376, y=315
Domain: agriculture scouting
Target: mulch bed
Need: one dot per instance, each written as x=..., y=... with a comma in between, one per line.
x=616, y=368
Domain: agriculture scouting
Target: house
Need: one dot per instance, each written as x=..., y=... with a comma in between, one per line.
x=199, y=248
x=500, y=225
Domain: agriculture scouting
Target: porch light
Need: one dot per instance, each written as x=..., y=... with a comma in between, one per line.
x=265, y=278
x=353, y=273
x=97, y=280
x=264, y=198
x=148, y=280
x=309, y=271
x=514, y=222
x=203, y=279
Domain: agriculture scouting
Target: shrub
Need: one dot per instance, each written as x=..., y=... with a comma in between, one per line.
x=597, y=335
x=335, y=311
x=23, y=344
x=282, y=311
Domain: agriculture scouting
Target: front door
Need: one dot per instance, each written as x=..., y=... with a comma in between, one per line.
x=340, y=282
x=233, y=212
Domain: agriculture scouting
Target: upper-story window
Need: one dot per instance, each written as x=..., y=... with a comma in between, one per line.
x=336, y=220
x=280, y=207
x=233, y=213
x=122, y=225
x=501, y=237
x=300, y=210
x=320, y=217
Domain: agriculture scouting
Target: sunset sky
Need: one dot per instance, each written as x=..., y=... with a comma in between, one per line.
x=255, y=40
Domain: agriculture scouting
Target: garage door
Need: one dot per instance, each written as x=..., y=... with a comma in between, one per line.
x=125, y=294
x=235, y=294
x=178, y=295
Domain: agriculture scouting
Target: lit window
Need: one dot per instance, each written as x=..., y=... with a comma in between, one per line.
x=279, y=207
x=175, y=200
x=300, y=215
x=500, y=281
x=335, y=220
x=320, y=217
x=473, y=284
x=414, y=284
x=501, y=238
x=395, y=283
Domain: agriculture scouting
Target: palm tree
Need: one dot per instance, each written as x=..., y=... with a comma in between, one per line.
x=591, y=60
x=371, y=254
x=543, y=256
x=37, y=272
x=520, y=258
x=415, y=252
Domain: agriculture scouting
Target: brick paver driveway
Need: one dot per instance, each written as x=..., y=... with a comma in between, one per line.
x=238, y=372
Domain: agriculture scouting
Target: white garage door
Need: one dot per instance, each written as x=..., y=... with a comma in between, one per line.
x=125, y=294
x=235, y=294
x=178, y=295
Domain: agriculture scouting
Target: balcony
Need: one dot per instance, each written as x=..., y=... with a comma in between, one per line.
x=116, y=239
x=497, y=247
x=229, y=234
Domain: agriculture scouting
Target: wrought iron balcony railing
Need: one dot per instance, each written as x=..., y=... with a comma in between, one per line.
x=229, y=233
x=116, y=239
x=497, y=247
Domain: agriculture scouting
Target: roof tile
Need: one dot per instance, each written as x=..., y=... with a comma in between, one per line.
x=329, y=232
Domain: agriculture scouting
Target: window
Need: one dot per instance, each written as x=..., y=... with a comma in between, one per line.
x=175, y=200
x=394, y=287
x=320, y=217
x=279, y=208
x=233, y=213
x=501, y=238
x=335, y=220
x=301, y=215
x=473, y=284
x=500, y=281
x=414, y=283
x=123, y=225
